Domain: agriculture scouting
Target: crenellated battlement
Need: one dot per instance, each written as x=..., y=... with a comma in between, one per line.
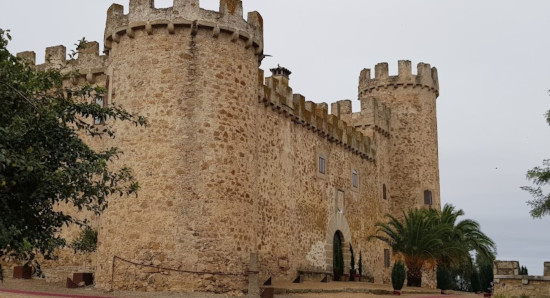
x=374, y=114
x=89, y=63
x=185, y=13
x=277, y=94
x=426, y=77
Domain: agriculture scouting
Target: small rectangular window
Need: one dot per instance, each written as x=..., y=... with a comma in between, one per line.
x=427, y=197
x=355, y=178
x=322, y=166
x=386, y=258
x=99, y=101
x=384, y=192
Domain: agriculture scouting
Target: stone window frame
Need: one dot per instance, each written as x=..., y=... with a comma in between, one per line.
x=387, y=258
x=322, y=164
x=428, y=197
x=354, y=178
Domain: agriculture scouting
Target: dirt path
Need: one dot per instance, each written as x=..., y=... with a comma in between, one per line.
x=36, y=288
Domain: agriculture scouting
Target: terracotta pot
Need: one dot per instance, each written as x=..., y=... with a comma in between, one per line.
x=87, y=278
x=397, y=292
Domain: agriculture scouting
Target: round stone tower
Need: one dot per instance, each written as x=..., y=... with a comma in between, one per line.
x=194, y=74
x=414, y=150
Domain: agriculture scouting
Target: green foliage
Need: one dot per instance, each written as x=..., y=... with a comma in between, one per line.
x=86, y=241
x=417, y=248
x=540, y=176
x=44, y=161
x=338, y=259
x=474, y=281
x=352, y=259
x=352, y=264
x=444, y=279
x=444, y=240
x=523, y=271
x=486, y=276
x=523, y=295
x=398, y=275
x=360, y=265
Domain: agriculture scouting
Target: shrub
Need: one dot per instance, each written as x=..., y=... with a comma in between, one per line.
x=398, y=275
x=86, y=241
x=523, y=271
x=486, y=277
x=360, y=265
x=444, y=279
x=474, y=279
x=352, y=264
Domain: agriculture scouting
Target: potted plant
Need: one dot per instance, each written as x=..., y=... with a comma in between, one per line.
x=398, y=277
x=352, y=264
x=360, y=266
x=86, y=242
x=22, y=255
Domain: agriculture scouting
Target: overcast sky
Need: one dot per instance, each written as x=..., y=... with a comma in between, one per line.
x=493, y=59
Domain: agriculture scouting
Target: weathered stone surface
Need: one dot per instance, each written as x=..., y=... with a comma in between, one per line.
x=230, y=163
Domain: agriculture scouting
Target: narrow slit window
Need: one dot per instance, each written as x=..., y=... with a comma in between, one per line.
x=355, y=179
x=322, y=165
x=428, y=197
x=384, y=192
x=386, y=258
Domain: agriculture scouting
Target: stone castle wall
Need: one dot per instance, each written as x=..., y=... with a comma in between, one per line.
x=299, y=212
x=508, y=282
x=229, y=164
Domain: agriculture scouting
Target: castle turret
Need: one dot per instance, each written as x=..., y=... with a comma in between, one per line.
x=194, y=74
x=414, y=152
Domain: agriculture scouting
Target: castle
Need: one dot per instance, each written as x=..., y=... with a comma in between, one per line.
x=241, y=178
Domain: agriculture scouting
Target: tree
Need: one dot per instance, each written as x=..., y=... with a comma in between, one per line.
x=435, y=237
x=463, y=238
x=523, y=271
x=540, y=176
x=43, y=159
x=486, y=276
x=416, y=237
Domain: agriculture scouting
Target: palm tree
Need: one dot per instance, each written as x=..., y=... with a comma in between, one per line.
x=434, y=237
x=416, y=237
x=464, y=238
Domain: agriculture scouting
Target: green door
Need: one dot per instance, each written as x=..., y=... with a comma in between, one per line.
x=338, y=256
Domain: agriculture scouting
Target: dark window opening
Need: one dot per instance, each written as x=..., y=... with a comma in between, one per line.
x=386, y=258
x=428, y=197
x=384, y=192
x=322, y=167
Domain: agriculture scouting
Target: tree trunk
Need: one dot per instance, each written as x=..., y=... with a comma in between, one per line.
x=414, y=277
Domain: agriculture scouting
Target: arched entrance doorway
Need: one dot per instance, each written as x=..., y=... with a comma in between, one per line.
x=338, y=255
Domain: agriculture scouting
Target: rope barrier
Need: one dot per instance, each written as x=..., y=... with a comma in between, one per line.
x=247, y=273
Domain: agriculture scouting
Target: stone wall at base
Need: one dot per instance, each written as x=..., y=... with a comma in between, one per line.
x=508, y=282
